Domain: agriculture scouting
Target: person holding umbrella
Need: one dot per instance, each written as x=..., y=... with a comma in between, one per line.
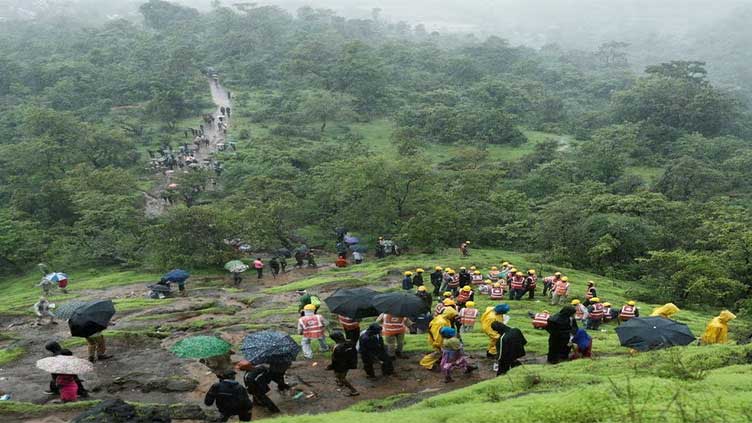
x=57, y=350
x=65, y=369
x=230, y=397
x=277, y=349
x=312, y=326
x=88, y=321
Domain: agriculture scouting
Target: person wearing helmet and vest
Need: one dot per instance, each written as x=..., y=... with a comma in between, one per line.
x=531, y=282
x=351, y=327
x=393, y=329
x=418, y=277
x=407, y=281
x=453, y=284
x=560, y=291
x=467, y=316
x=312, y=326
x=590, y=293
x=441, y=305
x=466, y=294
x=549, y=282
x=596, y=314
x=424, y=296
x=435, y=340
x=629, y=311
x=540, y=320
x=517, y=286
x=609, y=313
x=496, y=292
x=497, y=313
x=437, y=277
x=493, y=274
x=717, y=330
x=580, y=311
x=477, y=277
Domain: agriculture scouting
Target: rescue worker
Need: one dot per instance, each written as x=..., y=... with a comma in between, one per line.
x=629, y=311
x=466, y=294
x=351, y=327
x=717, y=330
x=667, y=311
x=590, y=293
x=497, y=313
x=531, y=282
x=435, y=340
x=312, y=326
x=609, y=313
x=372, y=350
x=436, y=280
x=497, y=292
x=467, y=317
x=424, y=296
x=465, y=277
x=305, y=299
x=561, y=328
x=407, y=281
x=344, y=359
x=510, y=346
x=596, y=314
x=540, y=320
x=493, y=274
x=580, y=311
x=393, y=329
x=549, y=282
x=477, y=277
x=230, y=397
x=560, y=291
x=418, y=278
x=453, y=284
x=517, y=286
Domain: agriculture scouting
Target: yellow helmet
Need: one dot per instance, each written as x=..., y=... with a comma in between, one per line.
x=438, y=268
x=422, y=288
x=467, y=242
x=497, y=285
x=447, y=294
x=575, y=302
x=632, y=303
x=519, y=274
x=467, y=288
x=463, y=268
x=473, y=268
x=505, y=264
x=470, y=304
x=408, y=273
x=595, y=300
x=488, y=281
x=546, y=311
x=448, y=302
x=565, y=279
x=494, y=268
x=309, y=307
x=531, y=271
x=514, y=270
x=606, y=304
x=450, y=271
x=557, y=274
x=477, y=272
x=419, y=270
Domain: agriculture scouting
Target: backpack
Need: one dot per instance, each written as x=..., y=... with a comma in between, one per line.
x=316, y=301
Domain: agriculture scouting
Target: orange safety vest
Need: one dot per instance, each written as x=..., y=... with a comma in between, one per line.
x=497, y=293
x=540, y=320
x=454, y=282
x=589, y=294
x=550, y=280
x=627, y=312
x=493, y=275
x=393, y=325
x=607, y=313
x=597, y=313
x=517, y=282
x=533, y=282
x=348, y=323
x=468, y=315
x=477, y=279
x=313, y=326
x=439, y=309
x=561, y=288
x=464, y=296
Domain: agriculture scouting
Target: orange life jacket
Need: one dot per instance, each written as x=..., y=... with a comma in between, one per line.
x=540, y=320
x=313, y=326
x=477, y=279
x=606, y=313
x=393, y=325
x=589, y=293
x=597, y=313
x=439, y=309
x=561, y=288
x=464, y=296
x=468, y=315
x=532, y=281
x=348, y=323
x=497, y=293
x=454, y=282
x=627, y=312
x=517, y=282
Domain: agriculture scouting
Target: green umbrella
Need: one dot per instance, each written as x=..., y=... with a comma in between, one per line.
x=236, y=266
x=200, y=347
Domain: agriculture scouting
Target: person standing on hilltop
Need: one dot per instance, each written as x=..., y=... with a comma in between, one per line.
x=465, y=249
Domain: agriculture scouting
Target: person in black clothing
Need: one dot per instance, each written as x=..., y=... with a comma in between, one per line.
x=465, y=277
x=230, y=397
x=283, y=264
x=510, y=347
x=424, y=296
x=277, y=370
x=299, y=257
x=256, y=381
x=274, y=265
x=436, y=279
x=372, y=350
x=418, y=278
x=561, y=327
x=591, y=293
x=56, y=350
x=344, y=358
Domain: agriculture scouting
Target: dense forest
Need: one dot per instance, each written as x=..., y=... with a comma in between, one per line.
x=386, y=129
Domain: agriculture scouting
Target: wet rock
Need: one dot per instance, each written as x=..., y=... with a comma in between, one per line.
x=186, y=412
x=118, y=411
x=142, y=382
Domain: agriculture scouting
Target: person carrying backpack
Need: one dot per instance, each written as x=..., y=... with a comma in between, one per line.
x=230, y=397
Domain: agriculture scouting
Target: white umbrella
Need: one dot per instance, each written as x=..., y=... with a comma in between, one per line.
x=65, y=364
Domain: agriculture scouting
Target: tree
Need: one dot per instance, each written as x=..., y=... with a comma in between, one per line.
x=163, y=15
x=692, y=71
x=324, y=106
x=690, y=179
x=611, y=54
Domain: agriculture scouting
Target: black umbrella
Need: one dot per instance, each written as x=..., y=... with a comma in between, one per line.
x=652, y=333
x=269, y=347
x=91, y=318
x=354, y=303
x=159, y=288
x=399, y=304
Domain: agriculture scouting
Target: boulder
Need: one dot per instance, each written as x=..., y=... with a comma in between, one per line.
x=119, y=411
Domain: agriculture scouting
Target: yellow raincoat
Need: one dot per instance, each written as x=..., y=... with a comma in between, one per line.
x=435, y=340
x=486, y=319
x=717, y=330
x=667, y=310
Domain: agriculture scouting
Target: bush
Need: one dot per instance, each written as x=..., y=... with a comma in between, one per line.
x=717, y=291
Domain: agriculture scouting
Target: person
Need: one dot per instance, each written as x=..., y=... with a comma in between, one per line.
x=274, y=266
x=580, y=311
x=510, y=347
x=497, y=313
x=477, y=277
x=466, y=294
x=56, y=350
x=609, y=313
x=465, y=277
x=590, y=292
x=46, y=286
x=340, y=262
x=549, y=282
x=418, y=278
x=230, y=397
x=312, y=327
x=517, y=286
x=344, y=359
x=311, y=259
x=407, y=281
x=351, y=327
x=424, y=296
x=67, y=387
x=259, y=266
x=596, y=314
x=465, y=249
x=629, y=311
x=277, y=370
x=283, y=263
x=97, y=347
x=393, y=331
x=256, y=380
x=583, y=345
x=493, y=274
x=357, y=257
x=436, y=279
x=467, y=317
x=306, y=299
x=561, y=328
x=435, y=340
x=441, y=305
x=666, y=311
x=42, y=308
x=372, y=350
x=237, y=279
x=540, y=320
x=380, y=248
x=560, y=291
x=531, y=283
x=299, y=257
x=716, y=331
x=452, y=355
x=496, y=292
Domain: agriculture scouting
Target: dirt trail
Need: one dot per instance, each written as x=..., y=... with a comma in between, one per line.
x=155, y=205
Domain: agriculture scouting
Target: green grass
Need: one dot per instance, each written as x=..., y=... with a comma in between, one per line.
x=29, y=409
x=10, y=354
